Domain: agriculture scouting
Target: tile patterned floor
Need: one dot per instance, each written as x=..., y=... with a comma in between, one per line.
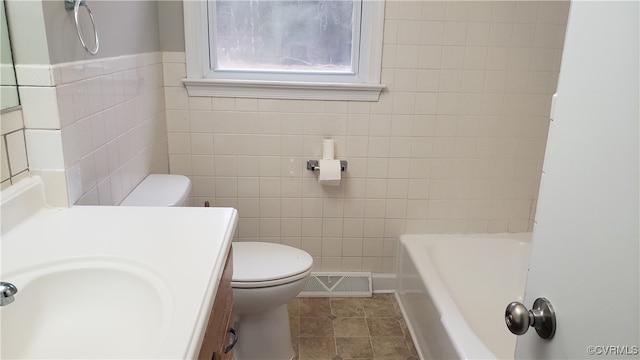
x=350, y=328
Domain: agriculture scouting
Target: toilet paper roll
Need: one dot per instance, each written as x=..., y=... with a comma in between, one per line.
x=330, y=173
x=328, y=148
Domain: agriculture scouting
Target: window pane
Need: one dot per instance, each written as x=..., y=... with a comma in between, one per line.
x=290, y=35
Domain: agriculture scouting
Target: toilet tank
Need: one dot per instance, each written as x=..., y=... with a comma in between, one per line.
x=160, y=190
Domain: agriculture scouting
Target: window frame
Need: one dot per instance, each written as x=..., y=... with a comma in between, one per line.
x=364, y=85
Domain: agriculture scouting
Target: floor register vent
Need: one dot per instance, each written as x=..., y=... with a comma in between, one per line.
x=338, y=284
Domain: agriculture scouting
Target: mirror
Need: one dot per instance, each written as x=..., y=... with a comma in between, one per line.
x=8, y=85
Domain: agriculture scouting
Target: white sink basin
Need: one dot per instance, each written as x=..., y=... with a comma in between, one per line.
x=77, y=311
x=105, y=282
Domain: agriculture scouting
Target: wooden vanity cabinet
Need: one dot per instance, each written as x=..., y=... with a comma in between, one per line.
x=218, y=334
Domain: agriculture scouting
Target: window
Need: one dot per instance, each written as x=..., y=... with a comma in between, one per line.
x=302, y=49
x=283, y=36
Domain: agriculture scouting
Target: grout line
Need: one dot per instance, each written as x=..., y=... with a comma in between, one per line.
x=389, y=301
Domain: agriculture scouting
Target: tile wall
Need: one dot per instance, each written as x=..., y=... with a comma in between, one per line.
x=454, y=144
x=95, y=128
x=14, y=163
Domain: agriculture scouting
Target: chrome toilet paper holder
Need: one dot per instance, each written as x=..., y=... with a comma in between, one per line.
x=313, y=165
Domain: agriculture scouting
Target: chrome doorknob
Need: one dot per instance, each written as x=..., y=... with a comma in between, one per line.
x=542, y=317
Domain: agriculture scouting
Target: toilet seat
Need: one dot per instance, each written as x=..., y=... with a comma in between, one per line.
x=262, y=264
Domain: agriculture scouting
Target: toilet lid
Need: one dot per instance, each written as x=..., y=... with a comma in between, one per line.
x=159, y=190
x=268, y=263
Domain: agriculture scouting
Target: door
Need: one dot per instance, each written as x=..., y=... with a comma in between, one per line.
x=585, y=243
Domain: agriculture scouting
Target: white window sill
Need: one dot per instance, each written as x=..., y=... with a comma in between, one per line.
x=283, y=89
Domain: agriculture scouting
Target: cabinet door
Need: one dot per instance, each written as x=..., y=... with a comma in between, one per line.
x=217, y=335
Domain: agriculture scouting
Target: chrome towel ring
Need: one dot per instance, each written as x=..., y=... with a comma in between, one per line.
x=75, y=5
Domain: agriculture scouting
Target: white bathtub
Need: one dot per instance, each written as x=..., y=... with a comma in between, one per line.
x=453, y=290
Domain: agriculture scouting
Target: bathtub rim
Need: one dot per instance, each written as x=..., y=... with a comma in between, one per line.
x=466, y=342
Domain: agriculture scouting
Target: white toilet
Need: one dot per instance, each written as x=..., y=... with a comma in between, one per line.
x=266, y=276
x=160, y=190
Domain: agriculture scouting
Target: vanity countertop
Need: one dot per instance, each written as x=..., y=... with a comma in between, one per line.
x=181, y=250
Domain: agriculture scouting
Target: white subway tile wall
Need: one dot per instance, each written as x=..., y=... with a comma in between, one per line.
x=14, y=162
x=92, y=129
x=96, y=128
x=114, y=133
x=455, y=143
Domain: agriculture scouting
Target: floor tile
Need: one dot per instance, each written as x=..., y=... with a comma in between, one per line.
x=315, y=326
x=350, y=329
x=390, y=346
x=314, y=307
x=347, y=307
x=378, y=308
x=384, y=327
x=294, y=325
x=317, y=348
x=294, y=307
x=354, y=347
